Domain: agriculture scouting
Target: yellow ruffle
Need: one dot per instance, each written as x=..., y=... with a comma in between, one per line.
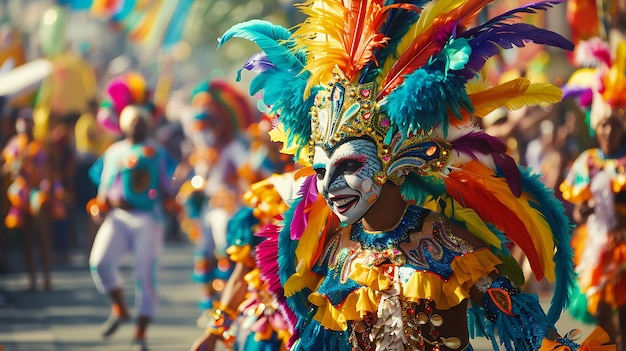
x=241, y=254
x=253, y=278
x=265, y=200
x=422, y=285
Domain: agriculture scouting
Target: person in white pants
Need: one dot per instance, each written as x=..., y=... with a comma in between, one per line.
x=134, y=186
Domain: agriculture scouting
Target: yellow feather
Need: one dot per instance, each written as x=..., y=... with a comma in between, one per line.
x=307, y=246
x=433, y=10
x=317, y=214
x=476, y=85
x=472, y=222
x=300, y=280
x=585, y=77
x=513, y=95
x=320, y=34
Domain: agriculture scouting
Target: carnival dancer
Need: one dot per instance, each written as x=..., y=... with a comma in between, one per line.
x=31, y=195
x=215, y=125
x=407, y=208
x=134, y=189
x=596, y=184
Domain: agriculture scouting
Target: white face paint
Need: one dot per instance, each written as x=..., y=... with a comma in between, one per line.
x=346, y=178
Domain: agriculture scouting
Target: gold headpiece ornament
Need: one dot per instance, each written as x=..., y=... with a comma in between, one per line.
x=344, y=111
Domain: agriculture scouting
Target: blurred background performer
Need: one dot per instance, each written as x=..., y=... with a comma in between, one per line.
x=134, y=189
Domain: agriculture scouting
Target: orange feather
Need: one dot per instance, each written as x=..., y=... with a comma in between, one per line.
x=346, y=32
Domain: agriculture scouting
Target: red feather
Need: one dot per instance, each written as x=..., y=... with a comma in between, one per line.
x=364, y=19
x=467, y=190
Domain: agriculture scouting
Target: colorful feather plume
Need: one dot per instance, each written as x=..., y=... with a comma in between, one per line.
x=346, y=32
x=476, y=143
x=124, y=90
x=429, y=35
x=281, y=63
x=475, y=186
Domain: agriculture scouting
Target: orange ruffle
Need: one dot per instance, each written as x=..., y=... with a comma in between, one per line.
x=575, y=194
x=422, y=285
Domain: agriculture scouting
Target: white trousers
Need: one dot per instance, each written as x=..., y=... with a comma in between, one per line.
x=136, y=233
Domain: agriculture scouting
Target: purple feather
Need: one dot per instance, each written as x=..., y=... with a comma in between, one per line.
x=583, y=94
x=502, y=35
x=482, y=143
x=258, y=63
x=528, y=8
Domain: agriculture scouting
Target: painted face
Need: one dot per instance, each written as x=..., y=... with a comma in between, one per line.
x=346, y=178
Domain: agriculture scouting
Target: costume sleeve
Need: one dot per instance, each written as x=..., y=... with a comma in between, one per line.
x=575, y=187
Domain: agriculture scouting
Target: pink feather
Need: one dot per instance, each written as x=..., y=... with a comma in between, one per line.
x=120, y=94
x=308, y=192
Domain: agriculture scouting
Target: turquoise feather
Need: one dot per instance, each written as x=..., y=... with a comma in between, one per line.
x=273, y=39
x=554, y=213
x=286, y=100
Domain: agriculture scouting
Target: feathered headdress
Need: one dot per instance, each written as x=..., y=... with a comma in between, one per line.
x=407, y=75
x=124, y=90
x=600, y=83
x=222, y=102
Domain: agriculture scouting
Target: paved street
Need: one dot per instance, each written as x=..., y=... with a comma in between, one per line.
x=68, y=318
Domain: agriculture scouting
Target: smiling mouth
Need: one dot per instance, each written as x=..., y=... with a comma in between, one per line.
x=344, y=203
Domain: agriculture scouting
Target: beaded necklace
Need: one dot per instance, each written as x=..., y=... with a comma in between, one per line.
x=411, y=221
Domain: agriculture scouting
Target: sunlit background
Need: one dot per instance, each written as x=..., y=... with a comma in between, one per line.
x=155, y=37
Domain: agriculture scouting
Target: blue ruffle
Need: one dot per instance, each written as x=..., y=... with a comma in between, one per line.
x=313, y=336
